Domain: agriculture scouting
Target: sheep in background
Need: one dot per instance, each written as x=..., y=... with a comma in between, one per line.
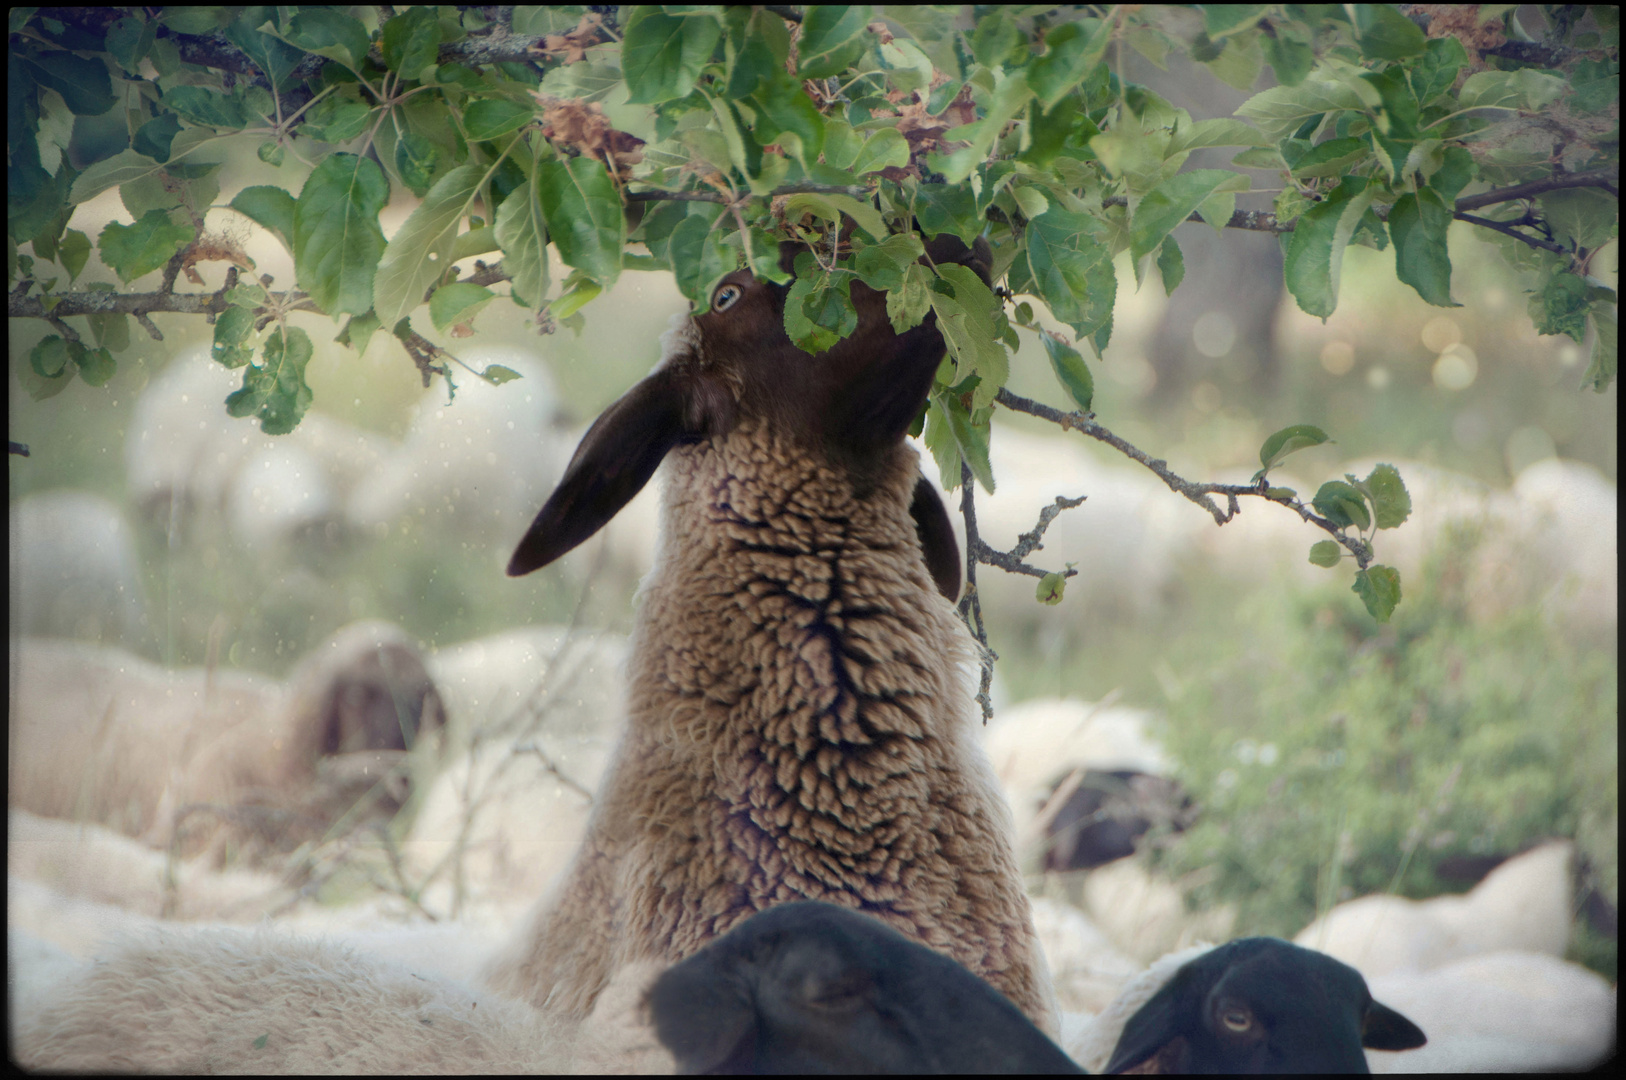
x=1255, y=1005
x=1087, y=969
x=811, y=987
x=1502, y=1012
x=195, y=1000
x=99, y=735
x=74, y=572
x=536, y=711
x=797, y=709
x=1108, y=814
x=99, y=867
x=1524, y=904
x=187, y=462
x=475, y=465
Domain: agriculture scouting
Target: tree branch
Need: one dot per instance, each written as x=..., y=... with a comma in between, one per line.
x=1507, y=230
x=1537, y=187
x=970, y=606
x=1197, y=493
x=855, y=191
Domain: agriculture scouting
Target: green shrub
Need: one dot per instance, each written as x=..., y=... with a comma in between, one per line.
x=1335, y=757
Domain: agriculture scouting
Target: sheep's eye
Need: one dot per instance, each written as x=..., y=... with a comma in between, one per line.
x=726, y=297
x=1236, y=1019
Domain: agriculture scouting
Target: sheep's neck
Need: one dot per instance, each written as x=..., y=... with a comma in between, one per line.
x=798, y=728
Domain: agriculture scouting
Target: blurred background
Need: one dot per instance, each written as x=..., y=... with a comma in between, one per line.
x=1323, y=756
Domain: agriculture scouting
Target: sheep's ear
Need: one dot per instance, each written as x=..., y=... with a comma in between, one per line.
x=616, y=458
x=1384, y=1029
x=936, y=538
x=703, y=1020
x=1153, y=1032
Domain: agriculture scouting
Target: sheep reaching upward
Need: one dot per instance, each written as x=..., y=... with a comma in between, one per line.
x=798, y=726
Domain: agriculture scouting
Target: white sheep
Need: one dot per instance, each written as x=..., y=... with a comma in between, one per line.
x=1502, y=1012
x=188, y=463
x=797, y=711
x=1088, y=970
x=535, y=712
x=1523, y=904
x=99, y=735
x=476, y=464
x=220, y=1000
x=74, y=572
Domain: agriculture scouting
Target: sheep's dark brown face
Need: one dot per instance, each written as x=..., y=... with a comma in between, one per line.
x=734, y=362
x=856, y=397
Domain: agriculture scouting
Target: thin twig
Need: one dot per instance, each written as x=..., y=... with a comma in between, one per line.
x=970, y=607
x=1507, y=230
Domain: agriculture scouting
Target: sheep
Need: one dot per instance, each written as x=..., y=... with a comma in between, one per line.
x=199, y=1000
x=1508, y=1011
x=96, y=866
x=74, y=572
x=187, y=463
x=797, y=721
x=812, y=987
x=1087, y=968
x=456, y=468
x=1524, y=904
x=535, y=711
x=1107, y=815
x=1258, y=1005
x=99, y=735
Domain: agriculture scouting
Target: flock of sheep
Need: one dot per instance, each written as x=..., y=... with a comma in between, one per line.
x=762, y=834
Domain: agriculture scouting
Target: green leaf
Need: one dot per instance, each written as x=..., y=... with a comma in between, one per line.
x=134, y=250
x=331, y=33
x=1289, y=54
x=1171, y=264
x=95, y=365
x=410, y=42
x=83, y=83
x=1009, y=99
x=492, y=118
x=1071, y=271
x=1326, y=553
x=497, y=374
x=906, y=306
x=336, y=118
x=1385, y=34
x=122, y=168
x=1222, y=132
x=1525, y=89
x=420, y=252
x=1169, y=204
x=966, y=321
x=276, y=391
x=584, y=216
x=785, y=107
x=337, y=241
x=1290, y=440
x=1417, y=225
x=831, y=207
x=883, y=266
x=1379, y=589
x=1559, y=305
x=756, y=49
x=271, y=208
x=1050, y=589
x=841, y=143
x=948, y=208
x=1315, y=254
x=417, y=160
x=129, y=41
x=1437, y=71
x=275, y=58
x=1582, y=217
x=1071, y=50
x=1282, y=110
x=578, y=290
x=662, y=54
x=1071, y=371
x=358, y=331
x=1600, y=372
x=1391, y=502
x=49, y=359
x=697, y=257
x=206, y=106
x=522, y=232
x=970, y=438
x=457, y=302
x=832, y=39
x=1331, y=158
x=819, y=309
x=1240, y=63
x=1342, y=504
x=73, y=252
x=885, y=149
x=939, y=439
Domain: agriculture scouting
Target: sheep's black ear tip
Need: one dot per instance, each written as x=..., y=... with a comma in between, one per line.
x=520, y=564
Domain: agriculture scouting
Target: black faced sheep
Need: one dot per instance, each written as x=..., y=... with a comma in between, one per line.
x=809, y=987
x=1255, y=1005
x=799, y=723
